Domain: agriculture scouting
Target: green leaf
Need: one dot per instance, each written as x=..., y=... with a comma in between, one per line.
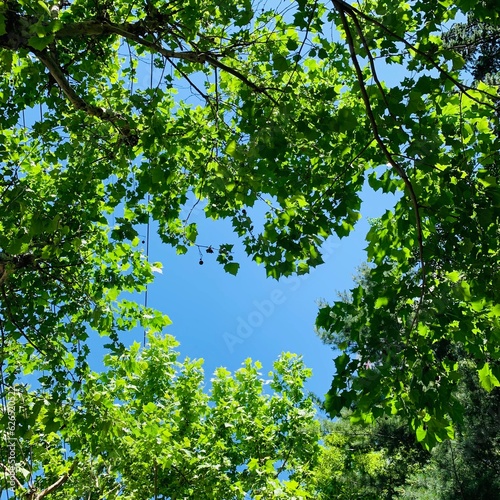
x=43, y=5
x=231, y=148
x=232, y=268
x=3, y=30
x=421, y=433
x=40, y=42
x=487, y=379
x=292, y=44
x=191, y=232
x=280, y=63
x=381, y=301
x=341, y=362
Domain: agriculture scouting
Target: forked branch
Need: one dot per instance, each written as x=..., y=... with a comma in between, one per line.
x=48, y=60
x=54, y=486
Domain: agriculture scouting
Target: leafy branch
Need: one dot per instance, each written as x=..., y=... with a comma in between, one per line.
x=353, y=12
x=137, y=33
x=77, y=101
x=11, y=474
x=19, y=328
x=375, y=129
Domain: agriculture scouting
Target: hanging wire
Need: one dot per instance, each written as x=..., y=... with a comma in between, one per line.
x=147, y=206
x=4, y=402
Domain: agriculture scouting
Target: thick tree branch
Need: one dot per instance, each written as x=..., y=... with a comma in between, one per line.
x=136, y=32
x=47, y=59
x=54, y=486
x=371, y=61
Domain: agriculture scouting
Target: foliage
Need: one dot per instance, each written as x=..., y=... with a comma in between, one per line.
x=469, y=466
x=465, y=467
x=432, y=286
x=286, y=113
x=479, y=44
x=367, y=461
x=145, y=428
x=383, y=460
x=90, y=153
x=425, y=299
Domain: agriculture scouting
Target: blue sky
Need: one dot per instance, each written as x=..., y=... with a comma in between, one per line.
x=225, y=319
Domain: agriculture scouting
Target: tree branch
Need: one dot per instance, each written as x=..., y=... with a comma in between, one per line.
x=16, y=324
x=54, y=486
x=344, y=7
x=49, y=61
x=371, y=61
x=11, y=474
x=374, y=126
x=136, y=32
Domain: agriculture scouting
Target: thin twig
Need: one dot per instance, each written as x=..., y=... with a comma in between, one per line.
x=186, y=77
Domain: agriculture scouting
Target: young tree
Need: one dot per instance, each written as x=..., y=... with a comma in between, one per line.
x=146, y=428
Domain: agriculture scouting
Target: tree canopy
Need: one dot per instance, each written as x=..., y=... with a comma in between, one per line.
x=285, y=117
x=146, y=428
x=383, y=460
x=379, y=459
